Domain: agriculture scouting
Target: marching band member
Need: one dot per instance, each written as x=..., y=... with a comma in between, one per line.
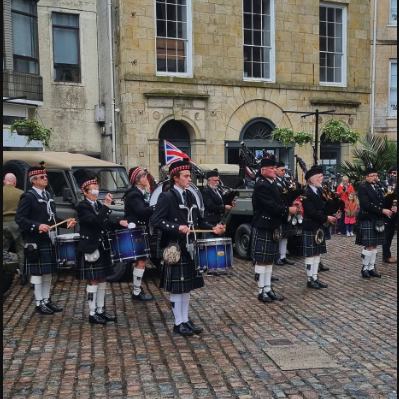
x=139, y=212
x=171, y=216
x=371, y=232
x=94, y=258
x=287, y=227
x=313, y=225
x=36, y=212
x=270, y=210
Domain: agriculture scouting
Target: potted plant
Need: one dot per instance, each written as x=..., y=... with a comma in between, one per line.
x=284, y=136
x=351, y=137
x=303, y=138
x=33, y=130
x=333, y=131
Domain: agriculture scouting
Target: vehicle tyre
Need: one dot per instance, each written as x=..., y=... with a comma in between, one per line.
x=243, y=241
x=8, y=276
x=119, y=272
x=19, y=169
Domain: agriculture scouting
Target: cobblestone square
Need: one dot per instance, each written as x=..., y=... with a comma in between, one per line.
x=354, y=322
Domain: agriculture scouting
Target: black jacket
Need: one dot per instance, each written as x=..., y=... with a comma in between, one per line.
x=214, y=206
x=371, y=202
x=270, y=208
x=314, y=210
x=93, y=227
x=137, y=207
x=31, y=213
x=168, y=217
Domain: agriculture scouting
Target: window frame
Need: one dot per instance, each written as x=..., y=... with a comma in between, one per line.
x=391, y=113
x=344, y=81
x=272, y=78
x=391, y=21
x=189, y=72
x=79, y=47
x=36, y=19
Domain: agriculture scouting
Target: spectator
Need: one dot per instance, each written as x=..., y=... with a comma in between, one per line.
x=11, y=235
x=351, y=207
x=344, y=189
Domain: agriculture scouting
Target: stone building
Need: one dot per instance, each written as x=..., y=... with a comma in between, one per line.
x=386, y=56
x=206, y=75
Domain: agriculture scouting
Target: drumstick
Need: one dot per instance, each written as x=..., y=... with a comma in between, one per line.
x=56, y=225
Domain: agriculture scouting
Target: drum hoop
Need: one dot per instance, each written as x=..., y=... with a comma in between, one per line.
x=214, y=241
x=71, y=237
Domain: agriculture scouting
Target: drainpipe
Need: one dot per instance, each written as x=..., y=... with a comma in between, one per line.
x=112, y=64
x=373, y=83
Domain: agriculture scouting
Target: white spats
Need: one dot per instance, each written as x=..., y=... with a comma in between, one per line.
x=137, y=280
x=46, y=287
x=185, y=307
x=37, y=281
x=92, y=298
x=315, y=268
x=309, y=267
x=366, y=256
x=268, y=278
x=373, y=259
x=101, y=297
x=283, y=248
x=176, y=301
x=261, y=272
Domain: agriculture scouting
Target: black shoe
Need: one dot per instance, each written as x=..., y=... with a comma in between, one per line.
x=323, y=268
x=142, y=297
x=23, y=279
x=280, y=263
x=97, y=319
x=183, y=330
x=107, y=317
x=264, y=298
x=321, y=284
x=275, y=278
x=374, y=273
x=55, y=308
x=43, y=309
x=365, y=274
x=274, y=296
x=286, y=261
x=191, y=326
x=313, y=284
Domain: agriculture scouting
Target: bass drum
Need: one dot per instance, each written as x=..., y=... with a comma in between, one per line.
x=193, y=189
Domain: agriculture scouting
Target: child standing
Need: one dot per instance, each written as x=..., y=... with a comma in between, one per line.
x=351, y=206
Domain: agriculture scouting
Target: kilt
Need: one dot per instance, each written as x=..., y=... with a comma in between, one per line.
x=264, y=248
x=327, y=232
x=181, y=278
x=46, y=262
x=100, y=269
x=288, y=230
x=309, y=246
x=367, y=236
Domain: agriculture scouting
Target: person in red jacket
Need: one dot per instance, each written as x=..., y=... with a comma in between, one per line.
x=344, y=189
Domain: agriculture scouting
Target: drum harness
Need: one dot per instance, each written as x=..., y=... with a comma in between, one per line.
x=190, y=222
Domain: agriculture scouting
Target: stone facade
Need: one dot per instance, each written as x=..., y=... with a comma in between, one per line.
x=216, y=102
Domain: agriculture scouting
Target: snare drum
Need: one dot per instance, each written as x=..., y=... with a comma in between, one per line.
x=130, y=244
x=214, y=255
x=66, y=246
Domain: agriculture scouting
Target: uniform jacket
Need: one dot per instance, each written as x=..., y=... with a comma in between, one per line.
x=168, y=217
x=214, y=206
x=11, y=197
x=371, y=202
x=270, y=208
x=137, y=207
x=31, y=213
x=314, y=210
x=282, y=186
x=93, y=227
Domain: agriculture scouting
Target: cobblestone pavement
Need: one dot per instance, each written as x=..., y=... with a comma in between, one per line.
x=62, y=356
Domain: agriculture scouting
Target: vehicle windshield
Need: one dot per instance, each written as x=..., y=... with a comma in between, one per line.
x=110, y=180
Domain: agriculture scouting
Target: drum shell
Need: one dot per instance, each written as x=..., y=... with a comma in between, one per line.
x=214, y=254
x=67, y=249
x=130, y=244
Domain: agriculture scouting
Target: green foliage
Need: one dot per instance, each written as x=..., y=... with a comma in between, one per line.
x=288, y=137
x=303, y=138
x=335, y=131
x=38, y=132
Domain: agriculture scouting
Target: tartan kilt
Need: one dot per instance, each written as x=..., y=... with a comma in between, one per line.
x=264, y=248
x=288, y=230
x=181, y=278
x=309, y=246
x=46, y=262
x=367, y=236
x=100, y=269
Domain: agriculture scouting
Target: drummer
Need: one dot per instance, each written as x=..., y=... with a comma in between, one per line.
x=171, y=216
x=94, y=258
x=138, y=212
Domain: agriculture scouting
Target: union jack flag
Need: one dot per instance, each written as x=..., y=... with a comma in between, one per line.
x=173, y=154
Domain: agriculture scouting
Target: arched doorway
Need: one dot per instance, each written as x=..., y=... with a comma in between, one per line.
x=177, y=134
x=330, y=157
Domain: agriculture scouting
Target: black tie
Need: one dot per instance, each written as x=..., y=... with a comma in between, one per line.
x=185, y=198
x=96, y=207
x=45, y=196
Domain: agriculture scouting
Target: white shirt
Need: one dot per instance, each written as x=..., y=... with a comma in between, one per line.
x=270, y=180
x=40, y=192
x=315, y=190
x=180, y=191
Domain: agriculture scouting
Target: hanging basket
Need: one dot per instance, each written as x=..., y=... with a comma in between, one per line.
x=24, y=131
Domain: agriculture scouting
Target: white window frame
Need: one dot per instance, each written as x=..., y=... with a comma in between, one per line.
x=343, y=7
x=272, y=78
x=189, y=73
x=390, y=111
x=392, y=22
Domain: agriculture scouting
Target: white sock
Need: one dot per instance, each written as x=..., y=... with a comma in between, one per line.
x=283, y=248
x=37, y=281
x=309, y=268
x=92, y=298
x=185, y=307
x=373, y=259
x=102, y=287
x=137, y=279
x=176, y=301
x=262, y=277
x=46, y=287
x=315, y=271
x=366, y=255
x=268, y=278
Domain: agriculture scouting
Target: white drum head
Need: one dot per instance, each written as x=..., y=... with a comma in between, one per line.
x=68, y=237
